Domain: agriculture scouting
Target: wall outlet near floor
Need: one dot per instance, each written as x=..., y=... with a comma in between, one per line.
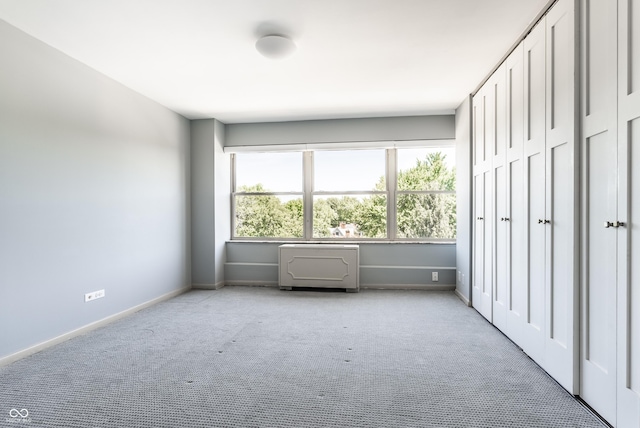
x=93, y=295
x=434, y=276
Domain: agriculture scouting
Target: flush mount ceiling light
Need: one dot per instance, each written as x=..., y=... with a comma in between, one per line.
x=275, y=46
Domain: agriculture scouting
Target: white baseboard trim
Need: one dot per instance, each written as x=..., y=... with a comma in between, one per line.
x=431, y=287
x=408, y=267
x=87, y=328
x=462, y=297
x=250, y=264
x=216, y=286
x=253, y=283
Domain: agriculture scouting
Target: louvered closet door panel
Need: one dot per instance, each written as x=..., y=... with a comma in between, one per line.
x=561, y=287
x=498, y=86
x=628, y=314
x=534, y=175
x=599, y=184
x=516, y=262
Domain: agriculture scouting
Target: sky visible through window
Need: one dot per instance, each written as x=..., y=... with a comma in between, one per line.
x=348, y=169
x=277, y=172
x=407, y=157
x=335, y=170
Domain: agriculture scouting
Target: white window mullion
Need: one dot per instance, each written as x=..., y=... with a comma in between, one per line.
x=232, y=196
x=307, y=183
x=392, y=179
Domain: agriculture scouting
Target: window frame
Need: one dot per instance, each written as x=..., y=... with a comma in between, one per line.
x=310, y=175
x=308, y=193
x=416, y=192
x=235, y=193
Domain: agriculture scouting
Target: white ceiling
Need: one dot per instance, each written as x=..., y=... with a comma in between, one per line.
x=355, y=58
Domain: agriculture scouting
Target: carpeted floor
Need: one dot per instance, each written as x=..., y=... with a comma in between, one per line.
x=261, y=357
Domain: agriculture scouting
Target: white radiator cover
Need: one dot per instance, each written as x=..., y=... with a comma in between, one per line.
x=319, y=265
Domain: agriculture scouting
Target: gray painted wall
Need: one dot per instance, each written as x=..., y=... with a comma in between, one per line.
x=463, y=193
x=202, y=202
x=342, y=130
x=210, y=184
x=382, y=265
x=222, y=201
x=93, y=195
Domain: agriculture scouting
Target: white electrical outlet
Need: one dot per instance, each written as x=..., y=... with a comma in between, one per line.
x=434, y=276
x=93, y=295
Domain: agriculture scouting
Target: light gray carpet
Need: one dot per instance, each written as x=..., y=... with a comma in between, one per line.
x=261, y=357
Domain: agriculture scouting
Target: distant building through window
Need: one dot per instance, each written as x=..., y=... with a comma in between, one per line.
x=345, y=230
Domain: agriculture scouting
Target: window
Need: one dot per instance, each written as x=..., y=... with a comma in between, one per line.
x=268, y=198
x=426, y=199
x=349, y=194
x=385, y=194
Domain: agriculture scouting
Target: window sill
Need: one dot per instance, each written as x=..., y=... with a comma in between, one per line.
x=340, y=241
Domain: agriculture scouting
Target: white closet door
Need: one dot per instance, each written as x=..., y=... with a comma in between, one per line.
x=534, y=173
x=629, y=277
x=561, y=286
x=598, y=368
x=628, y=314
x=483, y=111
x=487, y=286
x=516, y=272
x=534, y=327
x=478, y=241
x=482, y=240
x=497, y=85
x=500, y=259
x=478, y=131
x=489, y=215
x=483, y=269
x=479, y=163
x=599, y=178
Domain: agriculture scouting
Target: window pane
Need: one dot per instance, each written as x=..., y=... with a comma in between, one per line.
x=349, y=170
x=426, y=169
x=427, y=216
x=268, y=216
x=269, y=172
x=352, y=216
